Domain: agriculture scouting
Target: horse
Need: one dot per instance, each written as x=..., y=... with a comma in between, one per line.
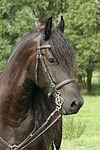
x=37, y=87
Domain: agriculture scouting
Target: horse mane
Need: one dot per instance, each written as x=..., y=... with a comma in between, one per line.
x=41, y=105
x=63, y=51
x=41, y=109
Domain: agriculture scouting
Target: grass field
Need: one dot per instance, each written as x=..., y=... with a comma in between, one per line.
x=82, y=131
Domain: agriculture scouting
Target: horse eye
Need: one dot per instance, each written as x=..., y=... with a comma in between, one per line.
x=51, y=60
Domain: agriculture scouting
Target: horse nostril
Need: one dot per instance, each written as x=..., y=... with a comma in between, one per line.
x=74, y=104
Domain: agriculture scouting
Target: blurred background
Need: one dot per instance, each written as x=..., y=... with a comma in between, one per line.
x=82, y=29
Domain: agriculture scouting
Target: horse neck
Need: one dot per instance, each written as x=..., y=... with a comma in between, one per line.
x=15, y=98
x=16, y=88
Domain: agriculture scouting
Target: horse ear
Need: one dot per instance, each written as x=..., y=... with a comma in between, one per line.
x=61, y=25
x=48, y=28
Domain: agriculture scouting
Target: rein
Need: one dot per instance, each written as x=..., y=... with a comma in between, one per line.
x=32, y=136
x=58, y=101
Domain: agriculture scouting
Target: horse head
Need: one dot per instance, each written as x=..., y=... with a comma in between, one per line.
x=54, y=68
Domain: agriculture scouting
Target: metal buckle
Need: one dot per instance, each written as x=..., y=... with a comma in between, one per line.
x=59, y=101
x=14, y=147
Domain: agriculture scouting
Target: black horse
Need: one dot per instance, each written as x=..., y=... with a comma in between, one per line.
x=37, y=87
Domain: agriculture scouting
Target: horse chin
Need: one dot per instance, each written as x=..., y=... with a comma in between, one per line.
x=68, y=112
x=63, y=112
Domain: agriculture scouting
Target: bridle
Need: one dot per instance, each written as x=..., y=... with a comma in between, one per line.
x=39, y=56
x=58, y=101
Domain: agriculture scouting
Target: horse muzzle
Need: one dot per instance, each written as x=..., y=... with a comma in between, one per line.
x=72, y=107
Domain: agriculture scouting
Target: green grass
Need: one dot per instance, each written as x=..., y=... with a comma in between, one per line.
x=89, y=115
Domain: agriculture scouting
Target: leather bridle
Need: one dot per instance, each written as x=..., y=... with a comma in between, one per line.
x=40, y=57
x=58, y=101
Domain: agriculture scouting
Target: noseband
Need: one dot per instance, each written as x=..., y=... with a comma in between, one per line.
x=58, y=101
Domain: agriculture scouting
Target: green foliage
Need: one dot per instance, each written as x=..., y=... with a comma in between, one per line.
x=4, y=54
x=18, y=17
x=83, y=30
x=72, y=129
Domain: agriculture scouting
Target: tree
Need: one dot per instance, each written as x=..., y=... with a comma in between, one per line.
x=83, y=30
x=82, y=18
x=15, y=20
x=18, y=17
